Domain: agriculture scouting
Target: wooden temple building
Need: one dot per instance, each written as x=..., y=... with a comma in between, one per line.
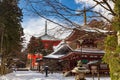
x=85, y=44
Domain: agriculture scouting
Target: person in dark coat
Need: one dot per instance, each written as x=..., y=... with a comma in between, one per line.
x=46, y=71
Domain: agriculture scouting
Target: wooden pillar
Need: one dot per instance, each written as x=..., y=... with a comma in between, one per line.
x=78, y=45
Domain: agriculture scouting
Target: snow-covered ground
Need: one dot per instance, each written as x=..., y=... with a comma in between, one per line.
x=33, y=75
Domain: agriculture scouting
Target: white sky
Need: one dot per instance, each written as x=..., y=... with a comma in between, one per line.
x=97, y=8
x=36, y=27
x=32, y=27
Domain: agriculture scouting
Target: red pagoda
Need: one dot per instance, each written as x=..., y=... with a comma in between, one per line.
x=49, y=41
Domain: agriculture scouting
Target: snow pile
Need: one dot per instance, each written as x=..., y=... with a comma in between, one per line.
x=3, y=78
x=33, y=75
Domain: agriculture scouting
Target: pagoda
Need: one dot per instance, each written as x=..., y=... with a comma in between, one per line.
x=49, y=41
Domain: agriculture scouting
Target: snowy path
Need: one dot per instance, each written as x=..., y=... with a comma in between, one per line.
x=33, y=75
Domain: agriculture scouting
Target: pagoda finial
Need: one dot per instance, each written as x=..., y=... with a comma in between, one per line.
x=85, y=17
x=46, y=27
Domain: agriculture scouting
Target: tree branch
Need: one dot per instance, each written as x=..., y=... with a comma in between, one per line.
x=110, y=8
x=35, y=11
x=101, y=16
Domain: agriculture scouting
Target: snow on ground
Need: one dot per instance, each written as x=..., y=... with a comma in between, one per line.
x=33, y=75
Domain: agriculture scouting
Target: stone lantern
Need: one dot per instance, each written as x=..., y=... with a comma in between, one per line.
x=80, y=71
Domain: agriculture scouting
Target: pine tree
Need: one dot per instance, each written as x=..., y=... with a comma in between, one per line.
x=112, y=46
x=31, y=45
x=10, y=18
x=35, y=45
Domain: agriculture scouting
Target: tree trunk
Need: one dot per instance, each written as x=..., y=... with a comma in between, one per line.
x=118, y=36
x=2, y=66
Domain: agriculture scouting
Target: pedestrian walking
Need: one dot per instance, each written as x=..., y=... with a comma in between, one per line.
x=46, y=71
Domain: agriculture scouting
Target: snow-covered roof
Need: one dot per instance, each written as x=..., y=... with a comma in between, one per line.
x=48, y=37
x=59, y=51
x=90, y=29
x=84, y=31
x=61, y=44
x=90, y=50
x=94, y=62
x=53, y=56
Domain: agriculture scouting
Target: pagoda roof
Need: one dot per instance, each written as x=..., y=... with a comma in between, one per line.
x=48, y=37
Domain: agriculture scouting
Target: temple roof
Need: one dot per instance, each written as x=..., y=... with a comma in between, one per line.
x=90, y=50
x=90, y=29
x=85, y=31
x=84, y=51
x=64, y=50
x=61, y=50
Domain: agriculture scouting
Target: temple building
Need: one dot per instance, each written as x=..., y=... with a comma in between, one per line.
x=85, y=44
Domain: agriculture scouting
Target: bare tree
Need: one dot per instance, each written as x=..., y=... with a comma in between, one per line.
x=54, y=10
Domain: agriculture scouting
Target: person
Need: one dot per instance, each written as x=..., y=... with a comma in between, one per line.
x=46, y=71
x=14, y=68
